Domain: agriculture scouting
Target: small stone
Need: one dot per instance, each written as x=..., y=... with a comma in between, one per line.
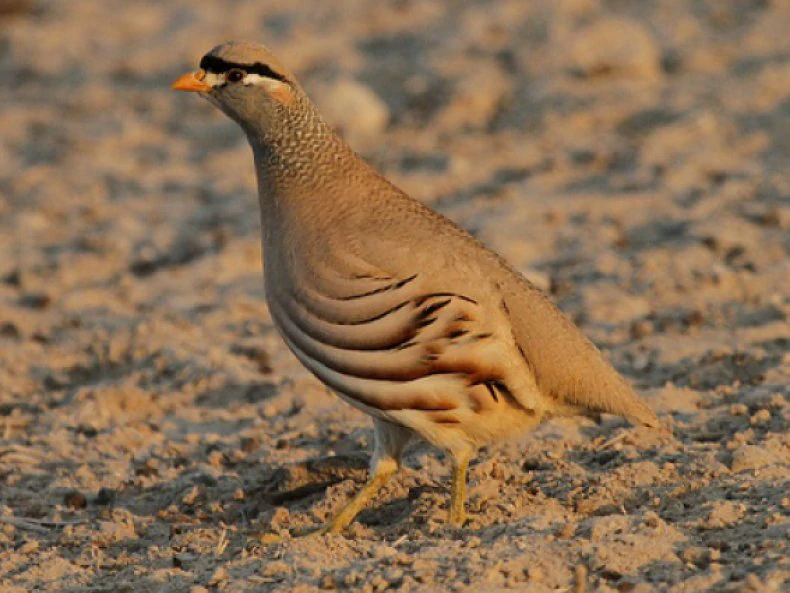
x=190, y=497
x=475, y=100
x=358, y=111
x=216, y=459
x=751, y=457
x=724, y=513
x=328, y=581
x=377, y=582
x=249, y=444
x=567, y=531
x=280, y=518
x=75, y=500
x=149, y=468
x=424, y=570
x=276, y=568
x=696, y=555
x=382, y=552
x=393, y=576
x=739, y=410
x=219, y=575
x=269, y=410
x=28, y=547
x=351, y=578
x=641, y=328
x=760, y=417
x=271, y=538
x=535, y=574
x=617, y=46
x=641, y=588
x=652, y=519
x=753, y=583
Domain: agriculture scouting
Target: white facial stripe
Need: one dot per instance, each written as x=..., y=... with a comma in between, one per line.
x=216, y=80
x=270, y=85
x=255, y=79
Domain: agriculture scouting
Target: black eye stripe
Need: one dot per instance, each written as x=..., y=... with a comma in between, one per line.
x=218, y=66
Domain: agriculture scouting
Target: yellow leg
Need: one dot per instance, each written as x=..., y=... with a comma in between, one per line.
x=458, y=491
x=382, y=472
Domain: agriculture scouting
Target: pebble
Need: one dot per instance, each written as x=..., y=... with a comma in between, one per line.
x=359, y=112
x=351, y=577
x=219, y=575
x=696, y=555
x=724, y=513
x=751, y=457
x=641, y=328
x=567, y=531
x=271, y=538
x=475, y=99
x=642, y=588
x=216, y=458
x=190, y=497
x=382, y=552
x=760, y=417
x=618, y=46
x=393, y=576
x=328, y=582
x=75, y=499
x=378, y=583
x=424, y=570
x=249, y=444
x=535, y=574
x=28, y=547
x=276, y=568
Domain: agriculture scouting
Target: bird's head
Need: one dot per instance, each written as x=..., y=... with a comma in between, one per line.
x=245, y=81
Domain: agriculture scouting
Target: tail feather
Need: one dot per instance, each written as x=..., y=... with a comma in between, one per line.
x=566, y=365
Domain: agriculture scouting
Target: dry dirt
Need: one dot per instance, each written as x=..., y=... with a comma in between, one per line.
x=632, y=157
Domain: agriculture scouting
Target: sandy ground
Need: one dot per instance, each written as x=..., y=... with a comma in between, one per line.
x=155, y=434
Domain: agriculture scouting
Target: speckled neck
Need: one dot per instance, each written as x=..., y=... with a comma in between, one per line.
x=295, y=159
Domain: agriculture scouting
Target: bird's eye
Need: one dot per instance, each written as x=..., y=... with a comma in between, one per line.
x=235, y=75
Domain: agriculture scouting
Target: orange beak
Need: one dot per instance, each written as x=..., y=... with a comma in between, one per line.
x=192, y=81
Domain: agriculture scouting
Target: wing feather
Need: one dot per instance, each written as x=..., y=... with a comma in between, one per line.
x=383, y=342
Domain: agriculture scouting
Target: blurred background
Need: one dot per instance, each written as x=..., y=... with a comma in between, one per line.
x=629, y=157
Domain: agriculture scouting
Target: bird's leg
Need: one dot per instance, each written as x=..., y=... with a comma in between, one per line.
x=458, y=487
x=380, y=475
x=390, y=441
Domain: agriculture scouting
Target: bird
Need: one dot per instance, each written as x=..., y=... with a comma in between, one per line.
x=395, y=308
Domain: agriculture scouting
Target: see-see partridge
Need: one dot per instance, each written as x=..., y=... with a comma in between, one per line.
x=402, y=313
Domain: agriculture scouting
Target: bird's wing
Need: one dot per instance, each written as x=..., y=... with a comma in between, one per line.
x=385, y=342
x=565, y=364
